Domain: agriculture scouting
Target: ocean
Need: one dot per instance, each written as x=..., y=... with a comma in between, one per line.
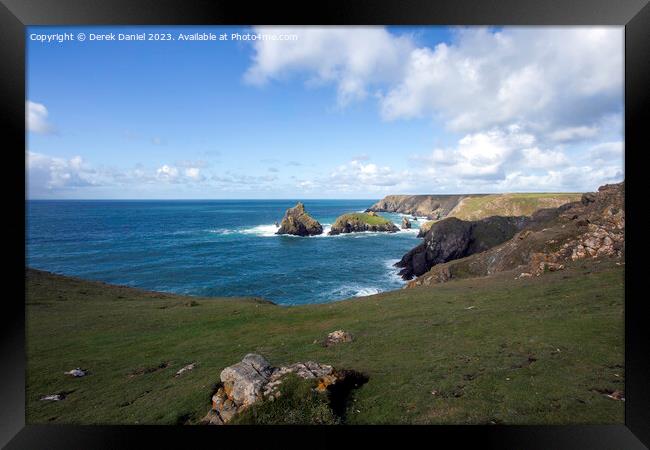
x=214, y=248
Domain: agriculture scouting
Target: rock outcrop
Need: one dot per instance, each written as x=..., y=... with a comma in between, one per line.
x=337, y=337
x=453, y=238
x=358, y=222
x=297, y=222
x=406, y=224
x=425, y=227
x=432, y=206
x=593, y=227
x=254, y=379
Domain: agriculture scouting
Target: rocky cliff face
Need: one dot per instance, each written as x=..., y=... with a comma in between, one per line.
x=358, y=222
x=297, y=222
x=593, y=227
x=432, y=206
x=452, y=238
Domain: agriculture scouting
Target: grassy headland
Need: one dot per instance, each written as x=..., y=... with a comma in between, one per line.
x=475, y=208
x=539, y=350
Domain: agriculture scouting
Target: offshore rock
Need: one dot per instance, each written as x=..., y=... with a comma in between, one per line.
x=297, y=222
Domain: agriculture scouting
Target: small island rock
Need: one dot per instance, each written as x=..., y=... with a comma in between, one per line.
x=406, y=224
x=357, y=222
x=297, y=222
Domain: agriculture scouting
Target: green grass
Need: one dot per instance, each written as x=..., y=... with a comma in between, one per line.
x=474, y=208
x=365, y=218
x=493, y=350
x=298, y=404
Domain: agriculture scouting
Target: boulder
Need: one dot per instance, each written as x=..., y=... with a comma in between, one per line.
x=187, y=368
x=297, y=222
x=359, y=222
x=76, y=372
x=243, y=382
x=254, y=379
x=406, y=224
x=337, y=337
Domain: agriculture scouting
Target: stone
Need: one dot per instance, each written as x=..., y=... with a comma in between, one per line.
x=243, y=382
x=76, y=372
x=254, y=379
x=53, y=397
x=187, y=368
x=406, y=224
x=297, y=222
x=337, y=337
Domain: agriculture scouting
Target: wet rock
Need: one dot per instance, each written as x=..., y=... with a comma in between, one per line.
x=406, y=224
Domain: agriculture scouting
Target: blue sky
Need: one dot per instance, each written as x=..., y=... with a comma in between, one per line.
x=334, y=113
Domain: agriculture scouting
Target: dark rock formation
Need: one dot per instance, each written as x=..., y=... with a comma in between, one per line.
x=453, y=238
x=297, y=222
x=406, y=224
x=358, y=222
x=593, y=227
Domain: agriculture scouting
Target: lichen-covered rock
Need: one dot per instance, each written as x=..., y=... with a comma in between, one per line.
x=359, y=222
x=243, y=382
x=337, y=337
x=297, y=222
x=254, y=379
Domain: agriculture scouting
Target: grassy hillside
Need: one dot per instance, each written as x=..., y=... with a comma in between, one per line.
x=475, y=208
x=493, y=350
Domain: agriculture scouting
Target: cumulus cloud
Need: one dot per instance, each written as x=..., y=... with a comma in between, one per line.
x=46, y=173
x=37, y=118
x=166, y=172
x=520, y=99
x=353, y=58
x=549, y=77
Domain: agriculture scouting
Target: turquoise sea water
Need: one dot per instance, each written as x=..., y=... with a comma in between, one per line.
x=214, y=248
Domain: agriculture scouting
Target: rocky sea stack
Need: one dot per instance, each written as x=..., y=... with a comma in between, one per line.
x=357, y=222
x=297, y=222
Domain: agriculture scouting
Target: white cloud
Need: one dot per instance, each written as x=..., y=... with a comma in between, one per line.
x=354, y=58
x=193, y=172
x=46, y=173
x=360, y=176
x=517, y=97
x=573, y=133
x=37, y=118
x=567, y=76
x=543, y=159
x=166, y=172
x=607, y=150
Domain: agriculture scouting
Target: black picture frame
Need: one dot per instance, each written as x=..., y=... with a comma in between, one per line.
x=15, y=15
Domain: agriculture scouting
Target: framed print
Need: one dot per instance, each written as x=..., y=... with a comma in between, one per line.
x=353, y=220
